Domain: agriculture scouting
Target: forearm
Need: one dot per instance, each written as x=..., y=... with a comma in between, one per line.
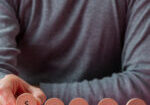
x=9, y=29
x=120, y=87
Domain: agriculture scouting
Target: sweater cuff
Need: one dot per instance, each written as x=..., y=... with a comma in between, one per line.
x=2, y=75
x=4, y=72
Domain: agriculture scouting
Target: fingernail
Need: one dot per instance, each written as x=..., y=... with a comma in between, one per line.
x=54, y=101
x=78, y=101
x=107, y=101
x=26, y=99
x=136, y=101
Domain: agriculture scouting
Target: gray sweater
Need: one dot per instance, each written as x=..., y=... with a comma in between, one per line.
x=92, y=49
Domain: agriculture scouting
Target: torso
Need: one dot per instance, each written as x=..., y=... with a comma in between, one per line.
x=70, y=40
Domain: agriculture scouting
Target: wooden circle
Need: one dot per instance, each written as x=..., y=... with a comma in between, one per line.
x=26, y=99
x=78, y=101
x=136, y=101
x=54, y=101
x=107, y=101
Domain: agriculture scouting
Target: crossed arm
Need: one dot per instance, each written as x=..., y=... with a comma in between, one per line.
x=132, y=82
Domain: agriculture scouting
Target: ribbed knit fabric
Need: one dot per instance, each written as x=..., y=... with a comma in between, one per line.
x=78, y=48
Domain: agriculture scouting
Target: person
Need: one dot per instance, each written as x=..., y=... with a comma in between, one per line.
x=92, y=49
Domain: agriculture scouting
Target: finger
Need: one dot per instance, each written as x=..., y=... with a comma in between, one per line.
x=16, y=84
x=55, y=101
x=26, y=99
x=7, y=97
x=38, y=94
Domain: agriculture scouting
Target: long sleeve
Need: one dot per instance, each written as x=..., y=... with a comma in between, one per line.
x=134, y=79
x=9, y=29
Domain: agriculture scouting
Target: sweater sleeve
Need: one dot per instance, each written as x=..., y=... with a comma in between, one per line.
x=9, y=28
x=134, y=79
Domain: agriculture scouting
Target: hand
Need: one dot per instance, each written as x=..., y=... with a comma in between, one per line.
x=12, y=86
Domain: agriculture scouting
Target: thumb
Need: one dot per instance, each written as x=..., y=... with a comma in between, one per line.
x=38, y=94
x=7, y=97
